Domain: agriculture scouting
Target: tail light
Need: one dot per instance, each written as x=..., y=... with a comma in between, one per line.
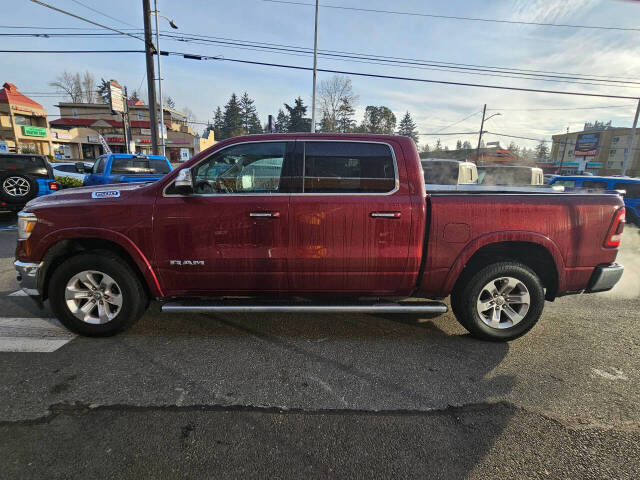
x=614, y=235
x=54, y=186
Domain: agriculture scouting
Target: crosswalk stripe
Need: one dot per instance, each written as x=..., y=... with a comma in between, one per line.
x=18, y=293
x=42, y=335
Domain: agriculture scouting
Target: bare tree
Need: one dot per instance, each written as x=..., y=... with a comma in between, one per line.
x=332, y=94
x=80, y=88
x=189, y=115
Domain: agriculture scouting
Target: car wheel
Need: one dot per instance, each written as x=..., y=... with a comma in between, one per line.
x=96, y=294
x=17, y=188
x=499, y=302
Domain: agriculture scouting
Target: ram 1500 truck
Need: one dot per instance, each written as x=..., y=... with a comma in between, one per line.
x=125, y=168
x=314, y=223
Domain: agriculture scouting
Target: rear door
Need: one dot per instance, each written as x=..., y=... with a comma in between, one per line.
x=350, y=226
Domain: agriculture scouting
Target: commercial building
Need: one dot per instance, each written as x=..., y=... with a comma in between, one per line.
x=76, y=131
x=598, y=149
x=488, y=156
x=23, y=123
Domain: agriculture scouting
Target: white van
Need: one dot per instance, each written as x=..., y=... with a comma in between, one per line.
x=515, y=175
x=449, y=172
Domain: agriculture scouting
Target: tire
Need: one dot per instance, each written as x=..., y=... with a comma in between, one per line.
x=108, y=270
x=508, y=315
x=16, y=188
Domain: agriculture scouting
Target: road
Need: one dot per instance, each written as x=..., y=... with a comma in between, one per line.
x=283, y=395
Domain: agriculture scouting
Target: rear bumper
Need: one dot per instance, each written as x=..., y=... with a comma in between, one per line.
x=28, y=278
x=605, y=277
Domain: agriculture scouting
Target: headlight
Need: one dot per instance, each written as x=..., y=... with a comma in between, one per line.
x=26, y=223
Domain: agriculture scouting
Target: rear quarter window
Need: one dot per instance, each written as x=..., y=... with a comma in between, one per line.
x=348, y=167
x=139, y=166
x=595, y=184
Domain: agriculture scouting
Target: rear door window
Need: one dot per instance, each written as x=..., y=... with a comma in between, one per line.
x=595, y=184
x=348, y=167
x=98, y=167
x=632, y=189
x=139, y=166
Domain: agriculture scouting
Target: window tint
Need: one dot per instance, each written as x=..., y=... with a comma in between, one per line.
x=21, y=162
x=244, y=168
x=594, y=184
x=348, y=167
x=139, y=166
x=633, y=189
x=98, y=166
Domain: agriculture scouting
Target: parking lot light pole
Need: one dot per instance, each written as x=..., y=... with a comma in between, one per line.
x=484, y=110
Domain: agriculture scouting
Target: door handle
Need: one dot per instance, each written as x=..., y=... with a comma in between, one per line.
x=265, y=214
x=386, y=214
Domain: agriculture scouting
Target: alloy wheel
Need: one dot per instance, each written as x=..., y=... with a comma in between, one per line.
x=503, y=302
x=93, y=297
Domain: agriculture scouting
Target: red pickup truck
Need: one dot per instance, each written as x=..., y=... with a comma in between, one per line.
x=314, y=223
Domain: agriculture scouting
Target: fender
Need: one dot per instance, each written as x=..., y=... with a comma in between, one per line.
x=507, y=236
x=122, y=240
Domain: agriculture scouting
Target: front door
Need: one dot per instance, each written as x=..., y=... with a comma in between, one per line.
x=231, y=235
x=350, y=228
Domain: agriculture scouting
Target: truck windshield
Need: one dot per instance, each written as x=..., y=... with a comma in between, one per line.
x=139, y=166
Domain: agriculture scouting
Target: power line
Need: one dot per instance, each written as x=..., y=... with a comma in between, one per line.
x=103, y=14
x=453, y=17
x=459, y=121
x=85, y=19
x=437, y=134
x=627, y=105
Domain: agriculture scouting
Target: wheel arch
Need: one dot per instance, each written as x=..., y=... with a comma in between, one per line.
x=535, y=251
x=65, y=246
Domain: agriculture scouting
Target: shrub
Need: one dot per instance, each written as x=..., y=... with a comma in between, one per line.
x=68, y=182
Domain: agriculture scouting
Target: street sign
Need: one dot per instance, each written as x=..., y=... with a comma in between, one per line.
x=4, y=147
x=116, y=98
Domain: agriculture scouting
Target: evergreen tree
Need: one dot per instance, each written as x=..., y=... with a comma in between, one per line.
x=446, y=148
x=282, y=122
x=378, y=120
x=459, y=145
x=425, y=148
x=297, y=120
x=249, y=114
x=542, y=150
x=466, y=145
x=232, y=118
x=408, y=128
x=345, y=121
x=218, y=124
x=513, y=148
x=438, y=146
x=326, y=125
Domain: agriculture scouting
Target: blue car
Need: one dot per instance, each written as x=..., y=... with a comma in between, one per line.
x=125, y=168
x=630, y=185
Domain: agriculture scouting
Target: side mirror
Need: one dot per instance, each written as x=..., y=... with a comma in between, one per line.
x=80, y=167
x=184, y=182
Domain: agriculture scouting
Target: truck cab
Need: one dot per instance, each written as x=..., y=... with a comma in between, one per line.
x=125, y=168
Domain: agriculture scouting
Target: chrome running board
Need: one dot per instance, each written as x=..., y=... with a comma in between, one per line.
x=424, y=307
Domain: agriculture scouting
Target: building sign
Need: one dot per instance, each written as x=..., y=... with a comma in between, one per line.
x=145, y=131
x=115, y=139
x=93, y=139
x=586, y=145
x=184, y=154
x=22, y=109
x=62, y=135
x=29, y=131
x=4, y=147
x=116, y=98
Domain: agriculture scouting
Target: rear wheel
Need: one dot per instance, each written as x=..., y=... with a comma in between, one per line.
x=96, y=294
x=499, y=302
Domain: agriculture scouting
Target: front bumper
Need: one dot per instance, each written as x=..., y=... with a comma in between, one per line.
x=605, y=277
x=28, y=278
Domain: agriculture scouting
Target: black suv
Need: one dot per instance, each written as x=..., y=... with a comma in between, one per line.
x=23, y=177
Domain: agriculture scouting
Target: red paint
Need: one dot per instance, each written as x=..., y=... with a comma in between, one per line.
x=325, y=244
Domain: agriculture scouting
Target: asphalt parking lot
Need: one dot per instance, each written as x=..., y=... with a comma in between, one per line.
x=283, y=395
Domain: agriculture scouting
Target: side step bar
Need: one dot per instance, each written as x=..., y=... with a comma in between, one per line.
x=431, y=307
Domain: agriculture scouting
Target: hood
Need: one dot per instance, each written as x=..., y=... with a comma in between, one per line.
x=85, y=195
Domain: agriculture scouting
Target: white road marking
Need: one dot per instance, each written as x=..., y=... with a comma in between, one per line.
x=616, y=375
x=18, y=293
x=42, y=335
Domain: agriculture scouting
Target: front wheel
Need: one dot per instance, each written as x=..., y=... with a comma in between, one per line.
x=96, y=294
x=499, y=302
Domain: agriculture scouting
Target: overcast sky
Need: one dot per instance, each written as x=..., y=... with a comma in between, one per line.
x=203, y=85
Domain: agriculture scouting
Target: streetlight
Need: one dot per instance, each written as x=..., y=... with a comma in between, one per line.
x=174, y=26
x=484, y=110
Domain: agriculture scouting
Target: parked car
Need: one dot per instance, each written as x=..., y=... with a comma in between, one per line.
x=630, y=185
x=449, y=172
x=70, y=170
x=515, y=175
x=324, y=220
x=125, y=168
x=24, y=177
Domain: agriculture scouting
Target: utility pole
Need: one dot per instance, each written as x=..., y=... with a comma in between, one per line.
x=162, y=149
x=125, y=123
x=629, y=149
x=564, y=150
x=484, y=111
x=149, y=51
x=315, y=71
